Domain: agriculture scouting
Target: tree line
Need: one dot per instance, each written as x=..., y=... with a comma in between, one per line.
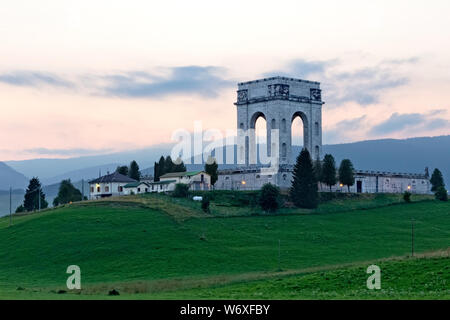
x=307, y=176
x=167, y=165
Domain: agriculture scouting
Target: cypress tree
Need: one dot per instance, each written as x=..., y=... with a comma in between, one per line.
x=179, y=166
x=346, y=174
x=156, y=171
x=133, y=171
x=211, y=169
x=437, y=180
x=161, y=166
x=168, y=165
x=318, y=169
x=303, y=192
x=329, y=171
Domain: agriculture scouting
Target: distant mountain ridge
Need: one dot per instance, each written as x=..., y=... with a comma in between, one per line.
x=11, y=178
x=395, y=155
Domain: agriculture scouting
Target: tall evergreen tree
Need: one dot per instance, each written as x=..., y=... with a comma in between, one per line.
x=133, y=171
x=156, y=170
x=329, y=171
x=122, y=170
x=211, y=169
x=179, y=165
x=318, y=169
x=31, y=199
x=437, y=180
x=168, y=165
x=67, y=193
x=161, y=163
x=303, y=192
x=346, y=173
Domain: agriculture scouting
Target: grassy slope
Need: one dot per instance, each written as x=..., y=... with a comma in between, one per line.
x=425, y=278
x=133, y=240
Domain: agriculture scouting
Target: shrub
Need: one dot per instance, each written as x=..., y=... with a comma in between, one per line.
x=407, y=196
x=269, y=198
x=20, y=208
x=181, y=190
x=205, y=203
x=441, y=194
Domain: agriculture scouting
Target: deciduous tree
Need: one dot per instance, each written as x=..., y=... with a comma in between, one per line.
x=329, y=171
x=346, y=173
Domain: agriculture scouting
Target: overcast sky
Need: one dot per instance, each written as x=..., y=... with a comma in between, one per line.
x=83, y=77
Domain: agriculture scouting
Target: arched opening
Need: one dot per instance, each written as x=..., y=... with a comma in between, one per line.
x=258, y=143
x=261, y=130
x=299, y=130
x=283, y=125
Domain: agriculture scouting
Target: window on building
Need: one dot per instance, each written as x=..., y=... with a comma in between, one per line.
x=98, y=189
x=92, y=189
x=283, y=125
x=139, y=189
x=106, y=189
x=120, y=188
x=283, y=150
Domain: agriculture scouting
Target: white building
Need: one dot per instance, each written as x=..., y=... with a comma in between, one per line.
x=108, y=185
x=162, y=186
x=249, y=178
x=197, y=180
x=137, y=187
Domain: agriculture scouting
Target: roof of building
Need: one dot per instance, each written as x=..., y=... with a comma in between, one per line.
x=278, y=78
x=135, y=184
x=290, y=168
x=113, y=177
x=181, y=174
x=162, y=182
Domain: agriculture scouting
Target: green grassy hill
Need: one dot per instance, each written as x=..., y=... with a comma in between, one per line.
x=154, y=244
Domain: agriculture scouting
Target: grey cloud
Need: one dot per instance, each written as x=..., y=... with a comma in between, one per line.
x=203, y=81
x=364, y=86
x=302, y=68
x=411, y=60
x=398, y=122
x=67, y=152
x=417, y=121
x=437, y=124
x=33, y=79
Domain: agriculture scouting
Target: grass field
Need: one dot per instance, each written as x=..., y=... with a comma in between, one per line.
x=155, y=246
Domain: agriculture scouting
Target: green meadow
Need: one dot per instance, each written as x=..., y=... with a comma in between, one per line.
x=154, y=246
